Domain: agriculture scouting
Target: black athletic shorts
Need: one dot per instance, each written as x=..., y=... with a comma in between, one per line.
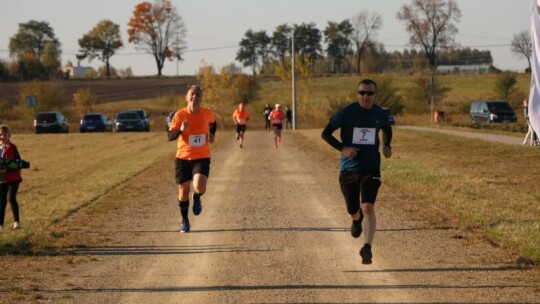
x=240, y=128
x=358, y=188
x=185, y=169
x=278, y=126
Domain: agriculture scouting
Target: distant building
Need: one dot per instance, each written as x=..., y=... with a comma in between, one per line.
x=464, y=69
x=76, y=72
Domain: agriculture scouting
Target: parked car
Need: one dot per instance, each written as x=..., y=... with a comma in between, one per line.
x=95, y=122
x=391, y=117
x=488, y=111
x=144, y=116
x=129, y=121
x=168, y=120
x=50, y=122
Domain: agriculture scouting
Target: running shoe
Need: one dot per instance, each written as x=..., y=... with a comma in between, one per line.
x=366, y=254
x=356, y=228
x=1, y=227
x=279, y=138
x=16, y=225
x=197, y=206
x=185, y=226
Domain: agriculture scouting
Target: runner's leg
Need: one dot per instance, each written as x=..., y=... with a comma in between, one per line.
x=369, y=223
x=199, y=183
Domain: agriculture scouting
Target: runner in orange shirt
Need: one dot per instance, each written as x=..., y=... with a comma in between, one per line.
x=194, y=127
x=240, y=118
x=276, y=118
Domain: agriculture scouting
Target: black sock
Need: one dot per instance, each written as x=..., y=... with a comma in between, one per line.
x=196, y=194
x=184, y=208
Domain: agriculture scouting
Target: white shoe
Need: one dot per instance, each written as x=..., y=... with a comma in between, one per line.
x=16, y=225
x=1, y=227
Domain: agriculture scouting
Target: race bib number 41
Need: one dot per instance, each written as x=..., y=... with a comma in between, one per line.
x=197, y=140
x=364, y=136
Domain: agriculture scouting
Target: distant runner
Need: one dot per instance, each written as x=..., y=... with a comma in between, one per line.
x=194, y=127
x=360, y=163
x=240, y=118
x=266, y=111
x=276, y=119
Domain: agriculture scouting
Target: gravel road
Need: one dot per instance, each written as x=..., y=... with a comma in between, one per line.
x=273, y=230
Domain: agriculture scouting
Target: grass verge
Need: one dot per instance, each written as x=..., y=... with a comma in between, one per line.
x=69, y=171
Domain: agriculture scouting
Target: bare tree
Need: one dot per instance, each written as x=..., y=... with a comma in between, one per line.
x=365, y=28
x=430, y=24
x=521, y=45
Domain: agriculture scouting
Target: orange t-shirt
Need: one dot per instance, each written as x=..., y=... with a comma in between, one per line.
x=240, y=117
x=193, y=142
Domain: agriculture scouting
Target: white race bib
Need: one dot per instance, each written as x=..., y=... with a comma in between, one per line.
x=197, y=140
x=277, y=120
x=364, y=136
x=241, y=122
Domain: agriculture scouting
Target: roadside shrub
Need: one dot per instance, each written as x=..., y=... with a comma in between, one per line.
x=247, y=88
x=417, y=98
x=48, y=94
x=387, y=95
x=83, y=101
x=505, y=85
x=505, y=89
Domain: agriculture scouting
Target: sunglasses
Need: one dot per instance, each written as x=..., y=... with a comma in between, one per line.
x=369, y=93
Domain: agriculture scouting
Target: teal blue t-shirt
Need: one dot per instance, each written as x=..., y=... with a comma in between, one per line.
x=360, y=128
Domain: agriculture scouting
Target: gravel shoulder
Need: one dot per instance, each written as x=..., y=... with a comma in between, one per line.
x=273, y=230
x=505, y=139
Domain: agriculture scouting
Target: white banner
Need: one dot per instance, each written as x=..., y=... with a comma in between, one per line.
x=534, y=94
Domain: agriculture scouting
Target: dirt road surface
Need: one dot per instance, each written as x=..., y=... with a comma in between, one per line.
x=273, y=230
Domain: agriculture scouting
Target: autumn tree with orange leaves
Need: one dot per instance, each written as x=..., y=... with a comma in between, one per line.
x=158, y=29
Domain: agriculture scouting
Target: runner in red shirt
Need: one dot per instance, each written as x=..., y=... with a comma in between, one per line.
x=276, y=119
x=240, y=118
x=194, y=127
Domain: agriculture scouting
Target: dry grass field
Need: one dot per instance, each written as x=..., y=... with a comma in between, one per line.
x=108, y=90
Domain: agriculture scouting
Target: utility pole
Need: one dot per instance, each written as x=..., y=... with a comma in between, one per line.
x=293, y=72
x=177, y=53
x=432, y=95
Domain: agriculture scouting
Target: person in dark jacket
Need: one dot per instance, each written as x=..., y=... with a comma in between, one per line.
x=9, y=180
x=266, y=111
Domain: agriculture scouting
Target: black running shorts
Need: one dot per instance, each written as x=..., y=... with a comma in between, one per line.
x=240, y=128
x=278, y=126
x=185, y=169
x=358, y=188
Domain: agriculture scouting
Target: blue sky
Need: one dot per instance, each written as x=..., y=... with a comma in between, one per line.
x=214, y=28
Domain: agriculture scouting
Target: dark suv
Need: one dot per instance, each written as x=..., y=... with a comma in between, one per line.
x=129, y=121
x=488, y=111
x=144, y=116
x=50, y=122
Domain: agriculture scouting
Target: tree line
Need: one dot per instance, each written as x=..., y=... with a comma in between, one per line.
x=348, y=46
